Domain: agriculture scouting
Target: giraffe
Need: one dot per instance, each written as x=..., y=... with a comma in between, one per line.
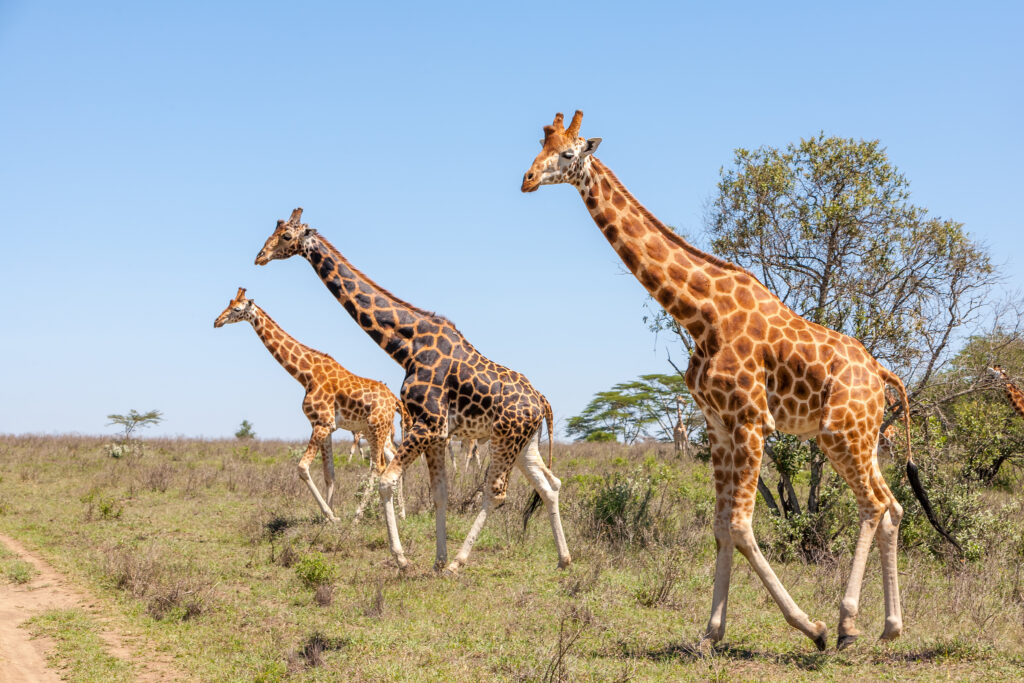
x=756, y=367
x=450, y=389
x=471, y=448
x=334, y=398
x=354, y=448
x=679, y=435
x=1013, y=393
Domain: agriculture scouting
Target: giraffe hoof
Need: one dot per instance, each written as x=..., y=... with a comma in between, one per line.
x=892, y=630
x=843, y=642
x=564, y=564
x=819, y=640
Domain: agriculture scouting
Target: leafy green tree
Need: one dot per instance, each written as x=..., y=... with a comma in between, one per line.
x=644, y=407
x=245, y=431
x=828, y=225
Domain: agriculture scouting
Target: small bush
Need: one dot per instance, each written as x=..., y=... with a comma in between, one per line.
x=103, y=507
x=169, y=589
x=619, y=509
x=314, y=571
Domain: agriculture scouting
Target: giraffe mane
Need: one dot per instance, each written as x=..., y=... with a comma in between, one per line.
x=384, y=292
x=672, y=235
x=301, y=345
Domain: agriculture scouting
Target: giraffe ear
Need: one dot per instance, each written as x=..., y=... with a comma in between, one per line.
x=590, y=147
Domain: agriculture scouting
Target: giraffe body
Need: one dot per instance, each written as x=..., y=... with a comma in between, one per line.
x=335, y=398
x=757, y=367
x=450, y=390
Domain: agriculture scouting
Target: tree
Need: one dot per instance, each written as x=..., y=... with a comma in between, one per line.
x=134, y=420
x=828, y=226
x=630, y=410
x=245, y=431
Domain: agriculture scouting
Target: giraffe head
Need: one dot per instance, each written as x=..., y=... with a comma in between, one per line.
x=239, y=308
x=286, y=240
x=563, y=157
x=998, y=373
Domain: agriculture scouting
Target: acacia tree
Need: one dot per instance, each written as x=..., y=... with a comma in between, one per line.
x=644, y=407
x=827, y=224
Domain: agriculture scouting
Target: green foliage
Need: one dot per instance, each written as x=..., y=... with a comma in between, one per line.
x=619, y=508
x=630, y=410
x=314, y=570
x=133, y=420
x=245, y=431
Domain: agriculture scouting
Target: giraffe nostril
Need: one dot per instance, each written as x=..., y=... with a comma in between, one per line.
x=529, y=176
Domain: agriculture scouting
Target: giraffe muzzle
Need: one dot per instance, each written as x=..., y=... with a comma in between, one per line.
x=261, y=258
x=531, y=181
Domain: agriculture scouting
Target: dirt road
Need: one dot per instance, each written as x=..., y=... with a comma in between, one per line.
x=23, y=659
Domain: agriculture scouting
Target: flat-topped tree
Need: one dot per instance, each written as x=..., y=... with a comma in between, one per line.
x=335, y=398
x=757, y=367
x=450, y=390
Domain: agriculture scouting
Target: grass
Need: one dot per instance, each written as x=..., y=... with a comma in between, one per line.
x=79, y=651
x=14, y=569
x=216, y=552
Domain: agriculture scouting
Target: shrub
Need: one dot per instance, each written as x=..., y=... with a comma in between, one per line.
x=314, y=571
x=619, y=509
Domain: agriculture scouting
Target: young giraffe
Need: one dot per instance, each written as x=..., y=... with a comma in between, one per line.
x=679, y=435
x=334, y=398
x=757, y=367
x=450, y=389
x=354, y=448
x=1015, y=395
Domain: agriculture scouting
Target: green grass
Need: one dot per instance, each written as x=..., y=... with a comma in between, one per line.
x=79, y=652
x=14, y=569
x=200, y=547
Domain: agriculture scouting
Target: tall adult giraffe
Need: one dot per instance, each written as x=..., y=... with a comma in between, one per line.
x=450, y=389
x=1013, y=392
x=335, y=398
x=757, y=367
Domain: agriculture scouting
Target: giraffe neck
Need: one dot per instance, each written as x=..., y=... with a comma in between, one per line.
x=677, y=274
x=282, y=346
x=1016, y=397
x=389, y=321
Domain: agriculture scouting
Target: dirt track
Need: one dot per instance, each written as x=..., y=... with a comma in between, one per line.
x=22, y=658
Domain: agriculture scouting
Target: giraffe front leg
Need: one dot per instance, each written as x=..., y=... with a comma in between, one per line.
x=439, y=488
x=327, y=453
x=320, y=433
x=412, y=445
x=502, y=459
x=389, y=455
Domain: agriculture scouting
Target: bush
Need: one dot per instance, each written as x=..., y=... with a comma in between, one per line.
x=619, y=509
x=314, y=571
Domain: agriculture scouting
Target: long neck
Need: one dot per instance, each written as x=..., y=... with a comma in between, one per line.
x=388, y=320
x=282, y=346
x=1016, y=397
x=677, y=274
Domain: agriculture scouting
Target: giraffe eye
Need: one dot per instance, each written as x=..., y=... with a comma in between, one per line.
x=286, y=237
x=568, y=154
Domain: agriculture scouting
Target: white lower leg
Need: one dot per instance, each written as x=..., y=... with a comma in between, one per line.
x=743, y=538
x=392, y=526
x=723, y=572
x=887, y=534
x=304, y=475
x=389, y=455
x=440, y=513
x=474, y=531
x=328, y=463
x=546, y=484
x=850, y=605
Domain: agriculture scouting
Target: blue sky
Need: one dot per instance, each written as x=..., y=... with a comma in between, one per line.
x=146, y=150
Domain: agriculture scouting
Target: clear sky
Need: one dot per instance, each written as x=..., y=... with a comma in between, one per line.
x=146, y=150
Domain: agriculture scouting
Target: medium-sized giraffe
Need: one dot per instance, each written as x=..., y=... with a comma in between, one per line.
x=334, y=398
x=450, y=390
x=1013, y=392
x=757, y=366
x=470, y=448
x=679, y=434
x=355, y=448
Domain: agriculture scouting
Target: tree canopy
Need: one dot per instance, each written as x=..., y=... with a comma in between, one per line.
x=639, y=408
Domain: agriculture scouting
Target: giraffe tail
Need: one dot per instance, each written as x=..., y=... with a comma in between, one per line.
x=531, y=507
x=913, y=476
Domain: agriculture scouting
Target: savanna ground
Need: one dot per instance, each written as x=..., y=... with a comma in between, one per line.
x=213, y=552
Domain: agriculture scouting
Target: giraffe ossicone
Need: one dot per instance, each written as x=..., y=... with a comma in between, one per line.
x=450, y=390
x=335, y=398
x=757, y=366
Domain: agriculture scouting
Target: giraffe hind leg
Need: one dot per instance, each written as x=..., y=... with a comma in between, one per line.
x=320, y=433
x=531, y=464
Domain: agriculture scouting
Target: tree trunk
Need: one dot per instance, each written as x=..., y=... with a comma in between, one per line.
x=769, y=499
